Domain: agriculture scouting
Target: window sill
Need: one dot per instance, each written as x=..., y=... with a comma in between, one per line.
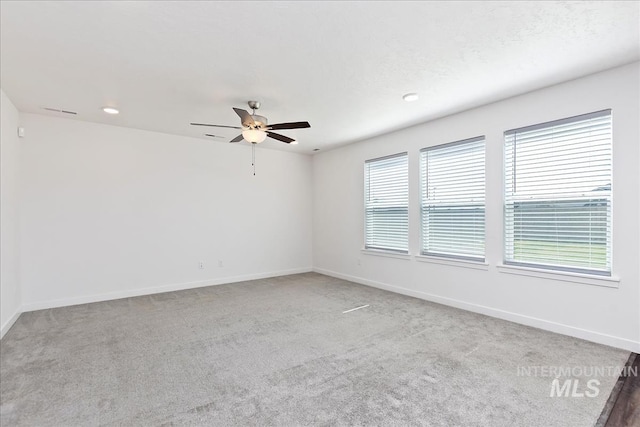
x=387, y=254
x=564, y=276
x=465, y=263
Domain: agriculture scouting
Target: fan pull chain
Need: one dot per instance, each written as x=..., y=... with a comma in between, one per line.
x=253, y=158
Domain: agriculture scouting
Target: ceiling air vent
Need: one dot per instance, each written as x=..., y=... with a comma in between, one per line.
x=58, y=110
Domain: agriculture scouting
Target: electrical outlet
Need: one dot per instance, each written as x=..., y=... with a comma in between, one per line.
x=201, y=265
x=220, y=263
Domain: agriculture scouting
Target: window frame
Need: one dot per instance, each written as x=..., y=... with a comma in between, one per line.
x=424, y=168
x=377, y=249
x=532, y=267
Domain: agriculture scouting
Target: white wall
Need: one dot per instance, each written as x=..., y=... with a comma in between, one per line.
x=9, y=245
x=603, y=314
x=109, y=212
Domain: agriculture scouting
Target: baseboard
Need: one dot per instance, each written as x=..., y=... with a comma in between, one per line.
x=64, y=302
x=9, y=323
x=547, y=325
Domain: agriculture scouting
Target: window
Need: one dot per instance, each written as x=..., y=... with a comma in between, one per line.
x=452, y=199
x=558, y=194
x=387, y=203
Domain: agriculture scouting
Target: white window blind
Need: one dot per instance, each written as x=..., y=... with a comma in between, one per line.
x=453, y=199
x=387, y=203
x=558, y=194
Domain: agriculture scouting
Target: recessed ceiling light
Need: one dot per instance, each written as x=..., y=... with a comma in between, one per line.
x=410, y=97
x=110, y=110
x=294, y=142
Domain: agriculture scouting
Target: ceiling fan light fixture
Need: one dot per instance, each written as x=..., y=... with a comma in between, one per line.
x=254, y=136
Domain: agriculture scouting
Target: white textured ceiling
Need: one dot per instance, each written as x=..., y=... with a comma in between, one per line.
x=343, y=66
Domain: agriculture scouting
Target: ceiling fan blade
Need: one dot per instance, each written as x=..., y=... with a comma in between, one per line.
x=246, y=118
x=213, y=136
x=280, y=137
x=237, y=139
x=216, y=126
x=292, y=125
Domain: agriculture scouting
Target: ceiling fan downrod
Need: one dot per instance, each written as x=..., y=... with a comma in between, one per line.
x=254, y=105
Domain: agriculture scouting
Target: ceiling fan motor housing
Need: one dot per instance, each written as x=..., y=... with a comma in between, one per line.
x=260, y=122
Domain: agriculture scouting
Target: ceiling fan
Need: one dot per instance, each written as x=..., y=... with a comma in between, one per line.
x=256, y=129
